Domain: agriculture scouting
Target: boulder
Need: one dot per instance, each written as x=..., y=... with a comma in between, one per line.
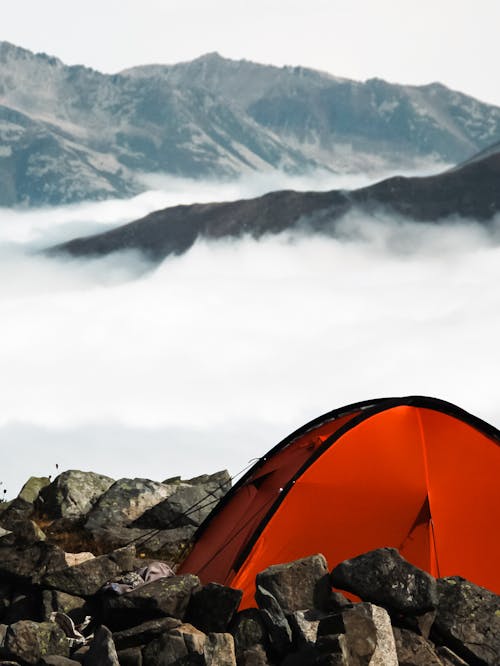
x=130, y=656
x=383, y=577
x=54, y=601
x=449, y=658
x=87, y=578
x=144, y=633
x=248, y=630
x=304, y=626
x=165, y=544
x=278, y=629
x=468, y=620
x=29, y=563
x=55, y=660
x=212, y=608
x=17, y=511
x=219, y=650
x=25, y=603
x=29, y=641
x=254, y=656
x=31, y=489
x=166, y=650
x=367, y=636
x=414, y=650
x=72, y=494
x=23, y=533
x=163, y=597
x=102, y=650
x=299, y=585
x=125, y=501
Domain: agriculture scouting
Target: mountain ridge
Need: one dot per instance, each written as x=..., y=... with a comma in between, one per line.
x=468, y=192
x=89, y=135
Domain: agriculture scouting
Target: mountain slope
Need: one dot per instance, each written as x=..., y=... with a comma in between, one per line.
x=72, y=133
x=471, y=191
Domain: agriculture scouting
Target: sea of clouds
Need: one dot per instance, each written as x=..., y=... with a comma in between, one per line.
x=207, y=360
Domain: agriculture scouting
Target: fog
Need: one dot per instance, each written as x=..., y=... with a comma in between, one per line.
x=209, y=359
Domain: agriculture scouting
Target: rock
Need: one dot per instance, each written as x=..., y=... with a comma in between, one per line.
x=212, y=608
x=216, y=484
x=29, y=563
x=72, y=494
x=304, y=626
x=383, y=577
x=18, y=510
x=166, y=650
x=189, y=504
x=125, y=501
x=130, y=657
x=54, y=660
x=248, y=630
x=368, y=637
x=102, y=650
x=31, y=489
x=165, y=596
x=163, y=544
x=61, y=602
x=29, y=641
x=298, y=585
x=254, y=656
x=218, y=650
x=77, y=558
x=278, y=629
x=449, y=658
x=25, y=604
x=144, y=633
x=414, y=650
x=24, y=533
x=468, y=620
x=87, y=578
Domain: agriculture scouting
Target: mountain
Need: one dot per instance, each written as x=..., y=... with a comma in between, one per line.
x=72, y=133
x=471, y=191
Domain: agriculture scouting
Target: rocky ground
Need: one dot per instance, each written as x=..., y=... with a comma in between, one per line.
x=87, y=576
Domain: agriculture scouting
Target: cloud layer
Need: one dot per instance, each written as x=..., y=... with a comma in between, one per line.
x=206, y=361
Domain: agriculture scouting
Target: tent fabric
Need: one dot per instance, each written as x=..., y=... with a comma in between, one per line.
x=415, y=473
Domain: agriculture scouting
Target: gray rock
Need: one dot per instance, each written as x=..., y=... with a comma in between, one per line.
x=130, y=656
x=254, y=656
x=278, y=629
x=102, y=650
x=165, y=596
x=414, y=650
x=72, y=494
x=144, y=633
x=31, y=489
x=219, y=650
x=55, y=660
x=212, y=608
x=24, y=532
x=61, y=602
x=468, y=620
x=449, y=658
x=299, y=585
x=383, y=577
x=29, y=641
x=125, y=501
x=248, y=630
x=189, y=504
x=368, y=636
x=166, y=650
x=87, y=578
x=18, y=510
x=29, y=563
x=304, y=626
x=167, y=545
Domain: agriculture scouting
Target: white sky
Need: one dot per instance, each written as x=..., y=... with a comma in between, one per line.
x=398, y=40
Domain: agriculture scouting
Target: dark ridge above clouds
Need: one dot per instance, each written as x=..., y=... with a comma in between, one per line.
x=70, y=133
x=470, y=191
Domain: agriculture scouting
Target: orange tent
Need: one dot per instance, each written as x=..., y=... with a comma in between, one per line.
x=415, y=473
